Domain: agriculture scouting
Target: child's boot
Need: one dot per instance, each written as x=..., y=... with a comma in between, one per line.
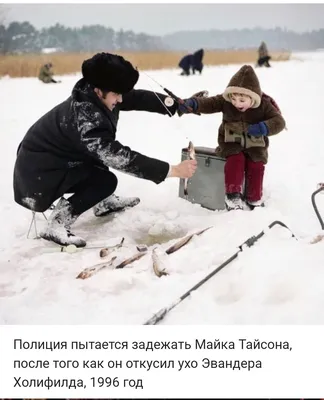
x=253, y=204
x=233, y=201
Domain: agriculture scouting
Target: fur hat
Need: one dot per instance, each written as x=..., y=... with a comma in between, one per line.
x=110, y=72
x=245, y=82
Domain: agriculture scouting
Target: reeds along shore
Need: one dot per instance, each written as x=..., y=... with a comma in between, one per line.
x=69, y=63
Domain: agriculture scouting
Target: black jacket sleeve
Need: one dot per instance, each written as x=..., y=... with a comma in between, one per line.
x=145, y=100
x=100, y=145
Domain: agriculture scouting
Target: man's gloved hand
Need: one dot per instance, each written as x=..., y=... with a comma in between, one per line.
x=259, y=129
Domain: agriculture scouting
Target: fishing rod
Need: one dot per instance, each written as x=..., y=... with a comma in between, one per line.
x=157, y=317
x=177, y=99
x=172, y=95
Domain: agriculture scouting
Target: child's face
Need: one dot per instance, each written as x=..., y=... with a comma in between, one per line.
x=241, y=101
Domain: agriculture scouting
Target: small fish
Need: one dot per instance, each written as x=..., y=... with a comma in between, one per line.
x=317, y=239
x=129, y=260
x=87, y=272
x=157, y=265
x=182, y=242
x=108, y=250
x=191, y=156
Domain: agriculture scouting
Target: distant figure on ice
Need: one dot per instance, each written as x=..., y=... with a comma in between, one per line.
x=197, y=64
x=46, y=74
x=192, y=62
x=263, y=56
x=185, y=64
x=250, y=117
x=71, y=149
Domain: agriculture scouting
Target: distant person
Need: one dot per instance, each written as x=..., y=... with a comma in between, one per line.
x=46, y=74
x=192, y=62
x=72, y=147
x=185, y=64
x=263, y=56
x=196, y=61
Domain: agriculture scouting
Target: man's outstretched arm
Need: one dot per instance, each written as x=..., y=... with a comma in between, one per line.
x=146, y=100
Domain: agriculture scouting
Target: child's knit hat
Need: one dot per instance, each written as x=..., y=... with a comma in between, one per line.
x=245, y=82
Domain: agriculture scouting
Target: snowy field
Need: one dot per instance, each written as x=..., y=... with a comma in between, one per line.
x=277, y=281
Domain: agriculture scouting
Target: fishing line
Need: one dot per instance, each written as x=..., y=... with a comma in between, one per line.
x=172, y=95
x=161, y=101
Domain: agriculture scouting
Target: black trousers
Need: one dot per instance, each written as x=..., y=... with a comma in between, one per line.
x=264, y=61
x=96, y=186
x=185, y=72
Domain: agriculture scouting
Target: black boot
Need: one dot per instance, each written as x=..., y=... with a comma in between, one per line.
x=114, y=204
x=59, y=223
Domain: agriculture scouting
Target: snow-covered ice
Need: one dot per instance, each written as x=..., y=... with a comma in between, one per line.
x=277, y=281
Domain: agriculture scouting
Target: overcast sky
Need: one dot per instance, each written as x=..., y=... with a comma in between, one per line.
x=159, y=19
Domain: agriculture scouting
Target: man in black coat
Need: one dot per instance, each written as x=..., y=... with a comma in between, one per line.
x=70, y=149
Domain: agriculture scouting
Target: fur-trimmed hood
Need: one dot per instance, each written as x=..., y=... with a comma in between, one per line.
x=245, y=82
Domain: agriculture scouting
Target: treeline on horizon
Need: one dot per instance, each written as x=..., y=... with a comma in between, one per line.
x=23, y=37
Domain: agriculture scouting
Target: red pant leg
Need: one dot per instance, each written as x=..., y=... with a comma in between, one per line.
x=234, y=173
x=254, y=180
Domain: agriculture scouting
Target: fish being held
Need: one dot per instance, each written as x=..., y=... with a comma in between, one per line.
x=191, y=156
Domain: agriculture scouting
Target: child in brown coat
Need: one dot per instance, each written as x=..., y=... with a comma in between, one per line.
x=249, y=118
